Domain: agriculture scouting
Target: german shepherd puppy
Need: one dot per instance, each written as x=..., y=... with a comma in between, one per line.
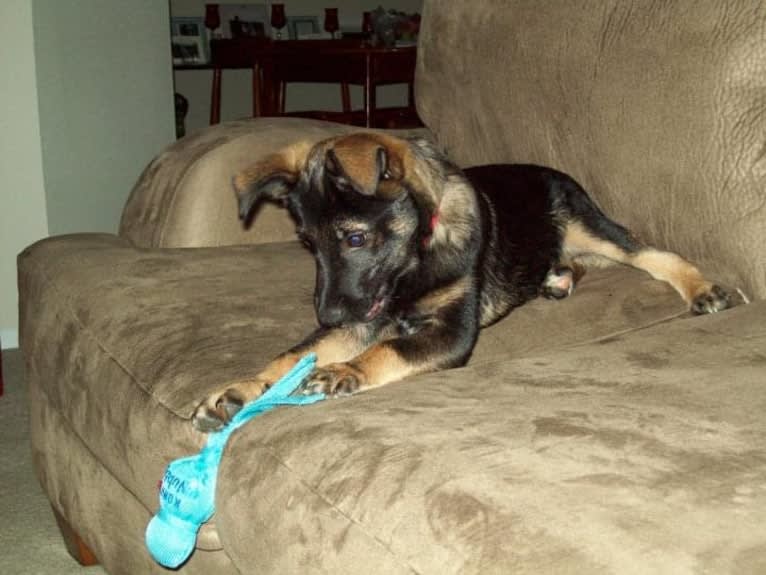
x=414, y=256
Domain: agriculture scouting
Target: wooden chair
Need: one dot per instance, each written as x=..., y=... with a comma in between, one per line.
x=343, y=62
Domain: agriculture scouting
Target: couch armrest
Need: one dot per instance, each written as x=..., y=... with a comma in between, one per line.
x=184, y=197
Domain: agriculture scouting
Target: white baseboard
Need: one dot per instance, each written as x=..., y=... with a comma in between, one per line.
x=9, y=338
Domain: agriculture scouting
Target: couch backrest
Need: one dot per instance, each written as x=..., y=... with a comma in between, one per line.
x=657, y=108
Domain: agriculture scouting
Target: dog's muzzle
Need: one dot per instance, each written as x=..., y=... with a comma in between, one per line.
x=334, y=315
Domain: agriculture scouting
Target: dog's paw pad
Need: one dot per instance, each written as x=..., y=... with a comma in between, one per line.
x=217, y=410
x=333, y=380
x=713, y=300
x=558, y=283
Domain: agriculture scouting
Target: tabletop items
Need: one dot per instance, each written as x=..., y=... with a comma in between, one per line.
x=380, y=27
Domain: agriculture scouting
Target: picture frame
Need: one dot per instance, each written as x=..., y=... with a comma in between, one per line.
x=301, y=27
x=188, y=38
x=245, y=20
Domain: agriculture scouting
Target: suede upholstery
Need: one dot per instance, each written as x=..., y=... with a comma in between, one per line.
x=610, y=432
x=659, y=101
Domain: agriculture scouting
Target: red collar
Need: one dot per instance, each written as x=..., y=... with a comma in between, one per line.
x=434, y=223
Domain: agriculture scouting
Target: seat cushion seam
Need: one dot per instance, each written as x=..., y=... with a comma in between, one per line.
x=88, y=333
x=272, y=453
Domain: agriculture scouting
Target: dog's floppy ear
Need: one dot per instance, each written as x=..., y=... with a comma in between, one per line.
x=271, y=178
x=363, y=161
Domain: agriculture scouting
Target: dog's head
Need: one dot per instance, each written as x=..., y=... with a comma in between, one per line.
x=363, y=204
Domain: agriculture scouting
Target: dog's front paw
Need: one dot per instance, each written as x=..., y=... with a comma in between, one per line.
x=217, y=410
x=334, y=380
x=711, y=300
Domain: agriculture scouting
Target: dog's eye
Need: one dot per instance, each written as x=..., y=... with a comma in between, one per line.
x=356, y=239
x=386, y=175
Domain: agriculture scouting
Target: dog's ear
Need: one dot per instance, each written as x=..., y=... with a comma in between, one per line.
x=272, y=178
x=364, y=162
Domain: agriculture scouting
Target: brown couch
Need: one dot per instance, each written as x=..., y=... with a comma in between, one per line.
x=607, y=433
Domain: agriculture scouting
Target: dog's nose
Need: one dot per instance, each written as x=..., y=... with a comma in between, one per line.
x=331, y=315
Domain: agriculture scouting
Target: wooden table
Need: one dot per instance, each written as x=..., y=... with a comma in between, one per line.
x=276, y=63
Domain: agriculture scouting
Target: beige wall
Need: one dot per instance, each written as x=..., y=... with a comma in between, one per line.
x=236, y=90
x=87, y=102
x=22, y=194
x=106, y=104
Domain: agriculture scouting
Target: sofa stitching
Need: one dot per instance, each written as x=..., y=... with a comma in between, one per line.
x=272, y=453
x=189, y=166
x=92, y=337
x=64, y=415
x=630, y=330
x=604, y=337
x=66, y=421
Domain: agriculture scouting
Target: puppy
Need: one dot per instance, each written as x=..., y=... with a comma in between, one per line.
x=414, y=256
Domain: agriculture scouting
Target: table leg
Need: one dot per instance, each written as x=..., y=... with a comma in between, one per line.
x=345, y=95
x=257, y=104
x=215, y=97
x=281, y=98
x=270, y=88
x=369, y=91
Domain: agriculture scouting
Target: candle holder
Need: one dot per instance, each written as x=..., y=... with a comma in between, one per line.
x=367, y=27
x=212, y=19
x=331, y=24
x=278, y=18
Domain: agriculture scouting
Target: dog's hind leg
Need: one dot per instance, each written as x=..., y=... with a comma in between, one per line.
x=608, y=240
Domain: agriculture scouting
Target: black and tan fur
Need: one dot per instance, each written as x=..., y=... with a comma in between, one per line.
x=414, y=256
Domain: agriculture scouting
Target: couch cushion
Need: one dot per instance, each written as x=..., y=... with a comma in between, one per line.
x=124, y=342
x=656, y=108
x=645, y=453
x=182, y=321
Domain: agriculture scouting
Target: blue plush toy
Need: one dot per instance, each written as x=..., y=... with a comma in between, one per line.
x=187, y=492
